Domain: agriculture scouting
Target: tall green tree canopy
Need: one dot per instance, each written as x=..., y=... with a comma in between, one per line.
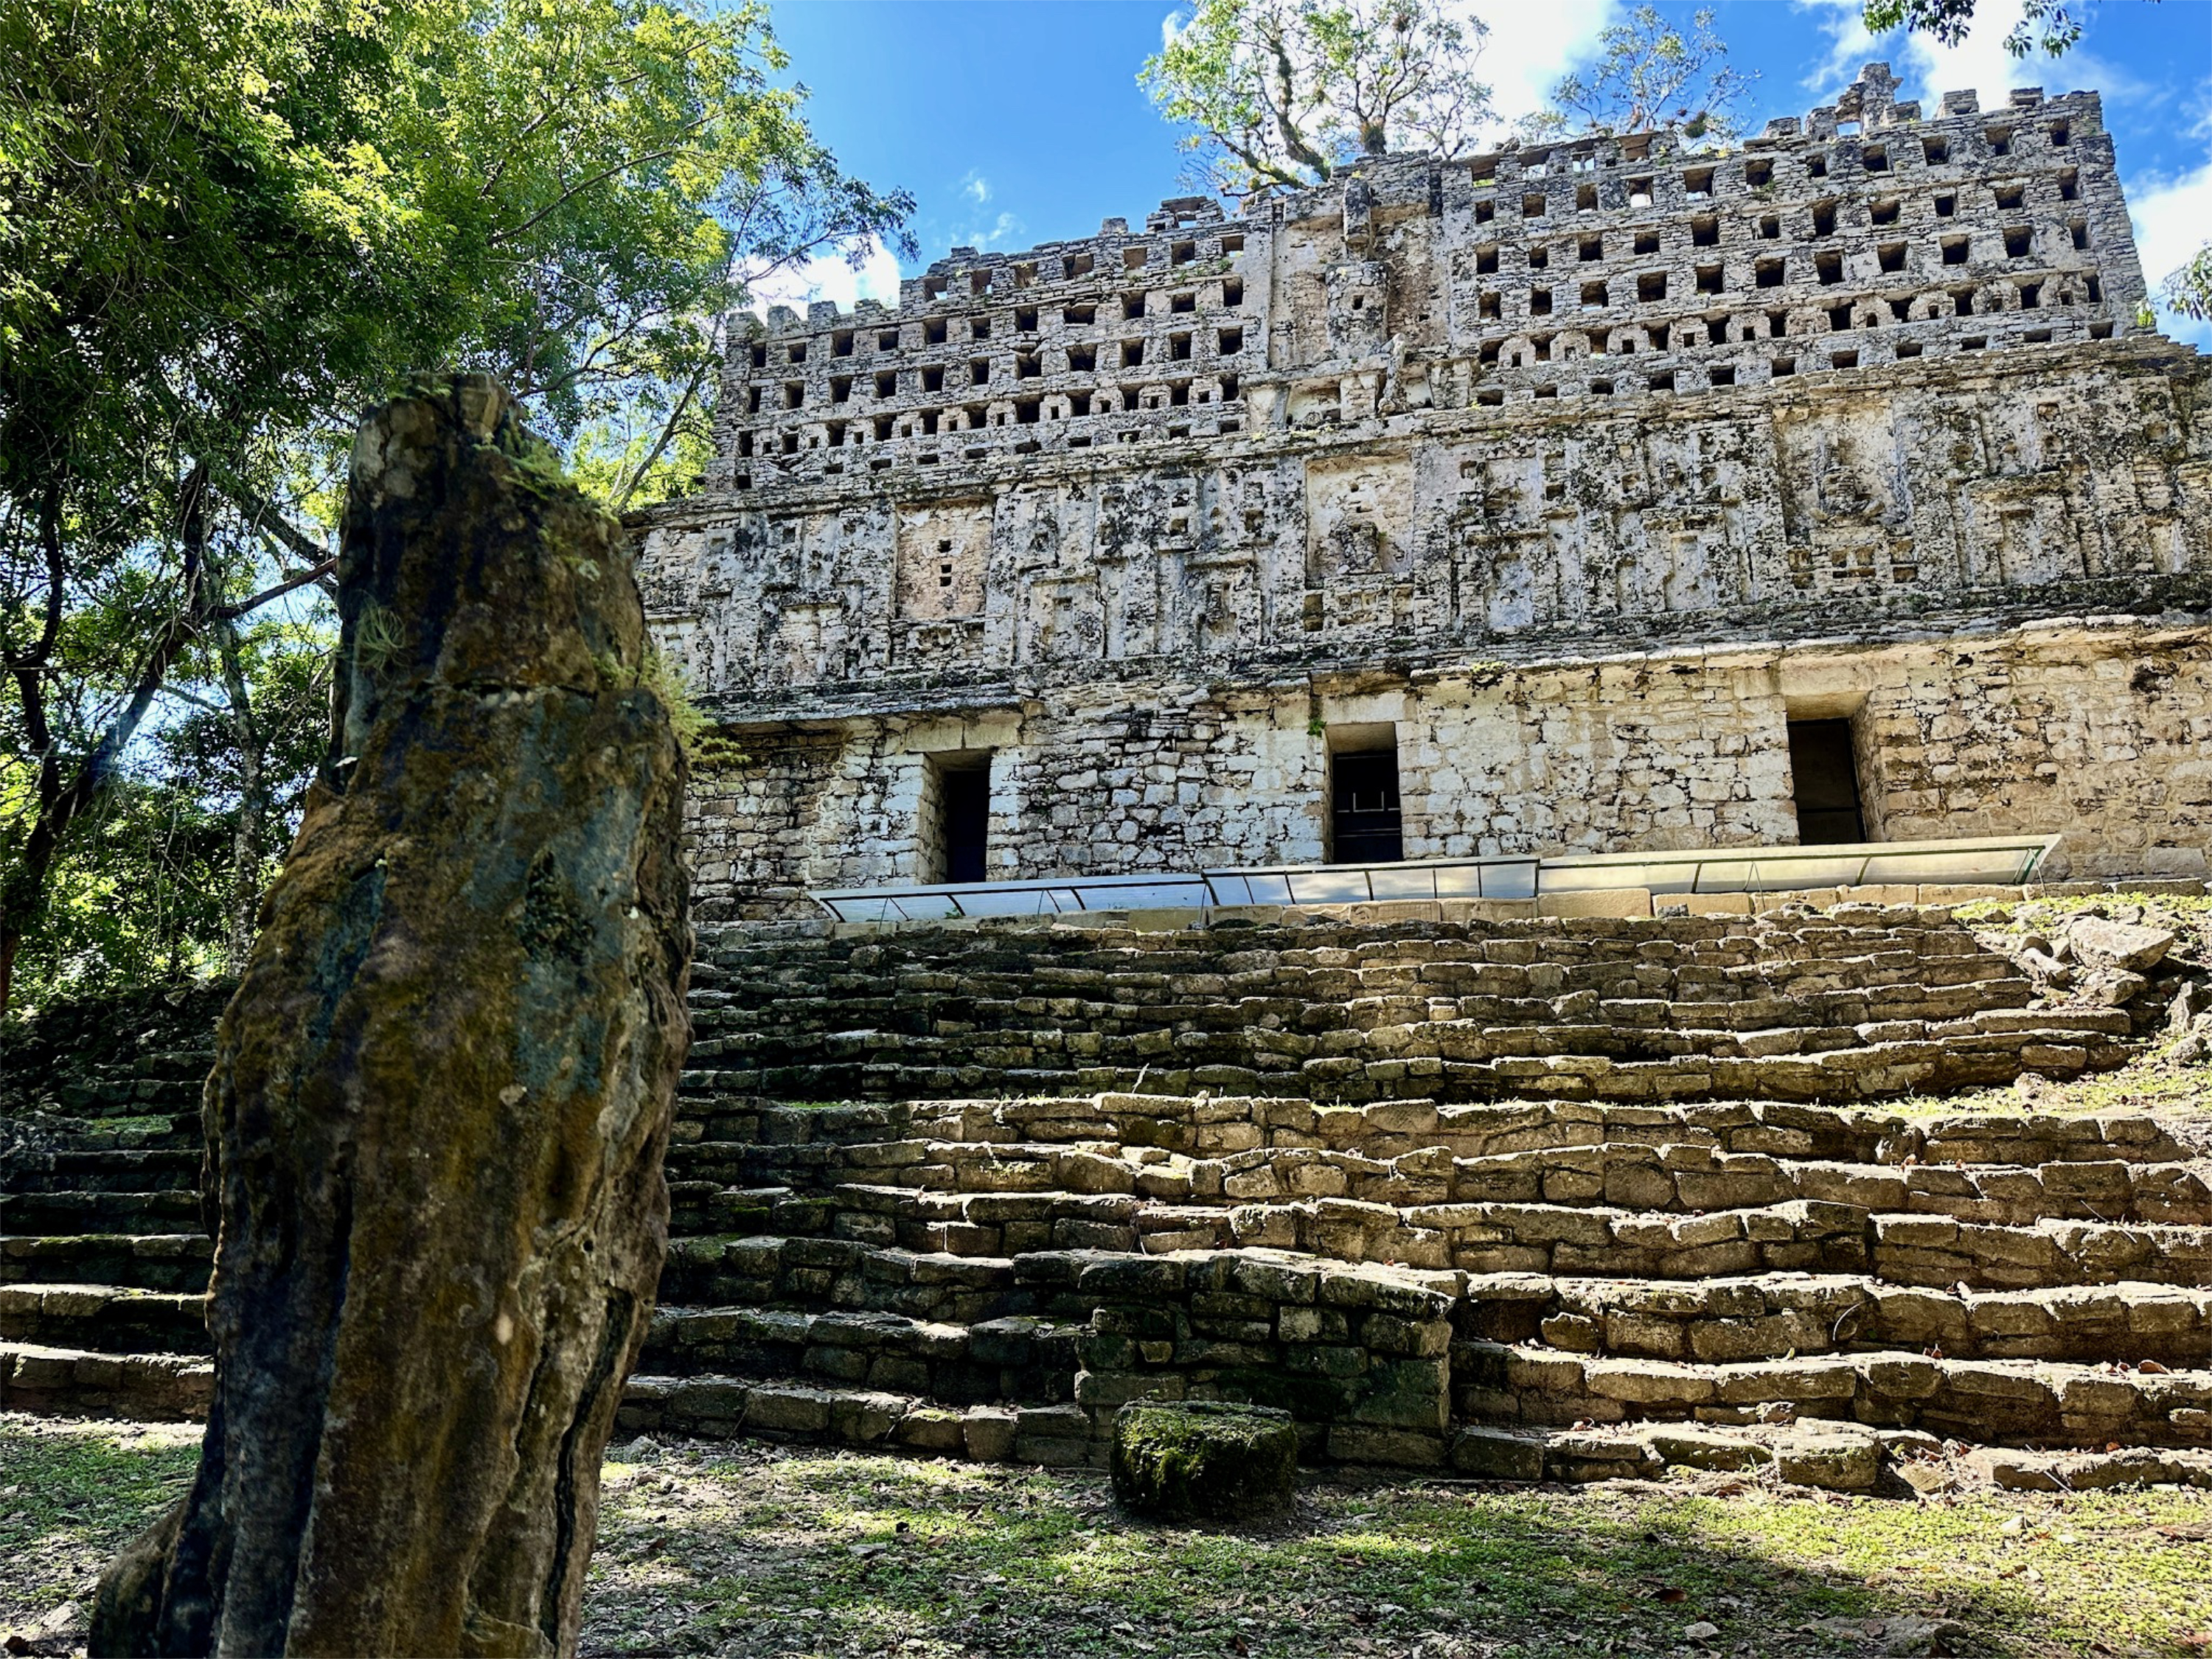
x=1282, y=94
x=227, y=226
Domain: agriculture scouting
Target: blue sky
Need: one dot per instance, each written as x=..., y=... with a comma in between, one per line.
x=1019, y=121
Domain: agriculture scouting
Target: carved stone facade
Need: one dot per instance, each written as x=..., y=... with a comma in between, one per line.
x=1573, y=476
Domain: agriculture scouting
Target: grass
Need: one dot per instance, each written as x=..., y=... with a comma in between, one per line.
x=754, y=1552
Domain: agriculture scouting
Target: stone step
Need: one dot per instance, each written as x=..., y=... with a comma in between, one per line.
x=104, y=1318
x=845, y=1025
x=1813, y=1452
x=1012, y=1358
x=722, y=1408
x=134, y=1169
x=36, y=1214
x=1453, y=1064
x=73, y=1381
x=1977, y=1401
x=1668, y=1178
x=830, y=1274
x=1072, y=1184
x=1209, y=1124
x=1776, y=1317
x=175, y=1263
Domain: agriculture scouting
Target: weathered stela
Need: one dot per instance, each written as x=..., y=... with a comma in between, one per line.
x=441, y=1095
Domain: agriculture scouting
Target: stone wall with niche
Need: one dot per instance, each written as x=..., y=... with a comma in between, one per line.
x=2103, y=731
x=1413, y=475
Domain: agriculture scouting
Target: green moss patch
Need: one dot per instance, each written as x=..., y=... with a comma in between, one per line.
x=1183, y=1459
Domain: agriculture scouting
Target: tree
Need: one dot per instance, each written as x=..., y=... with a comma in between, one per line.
x=227, y=226
x=1283, y=94
x=1648, y=75
x=2189, y=290
x=2048, y=26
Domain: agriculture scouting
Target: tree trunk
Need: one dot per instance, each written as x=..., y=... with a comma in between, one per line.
x=442, y=1092
x=61, y=804
x=247, y=832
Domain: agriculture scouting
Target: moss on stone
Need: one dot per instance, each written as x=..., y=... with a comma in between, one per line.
x=1185, y=1458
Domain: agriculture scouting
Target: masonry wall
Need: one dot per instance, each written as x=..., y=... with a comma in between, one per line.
x=2103, y=732
x=1857, y=421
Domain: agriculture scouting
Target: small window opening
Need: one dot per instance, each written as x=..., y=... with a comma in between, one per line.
x=1938, y=150
x=1366, y=821
x=933, y=332
x=1647, y=242
x=1182, y=303
x=1825, y=777
x=1882, y=212
x=963, y=791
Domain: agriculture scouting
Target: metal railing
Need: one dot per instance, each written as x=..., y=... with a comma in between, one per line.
x=1994, y=861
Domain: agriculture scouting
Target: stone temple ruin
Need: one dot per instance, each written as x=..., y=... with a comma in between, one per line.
x=1597, y=499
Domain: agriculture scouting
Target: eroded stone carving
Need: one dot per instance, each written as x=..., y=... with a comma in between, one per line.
x=441, y=1094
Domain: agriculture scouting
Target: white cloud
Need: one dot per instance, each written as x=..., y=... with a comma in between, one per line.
x=1531, y=46
x=976, y=187
x=2174, y=218
x=1000, y=232
x=828, y=277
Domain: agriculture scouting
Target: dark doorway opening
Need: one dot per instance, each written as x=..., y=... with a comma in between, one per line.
x=1824, y=764
x=963, y=806
x=1366, y=826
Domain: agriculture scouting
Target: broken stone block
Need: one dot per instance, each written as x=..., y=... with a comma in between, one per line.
x=2117, y=944
x=1203, y=1458
x=1837, y=1459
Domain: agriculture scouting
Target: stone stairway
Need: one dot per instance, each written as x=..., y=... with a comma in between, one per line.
x=1567, y=1198
x=1862, y=1003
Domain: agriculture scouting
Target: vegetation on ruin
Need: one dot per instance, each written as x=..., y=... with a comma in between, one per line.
x=751, y=1550
x=225, y=228
x=1283, y=94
